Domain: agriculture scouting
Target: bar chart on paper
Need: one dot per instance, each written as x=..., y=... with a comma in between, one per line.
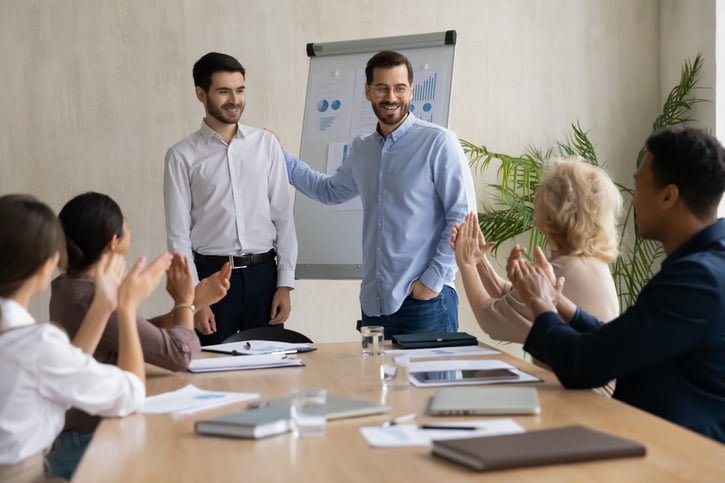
x=424, y=102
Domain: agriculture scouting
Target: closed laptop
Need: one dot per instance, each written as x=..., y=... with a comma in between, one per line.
x=485, y=400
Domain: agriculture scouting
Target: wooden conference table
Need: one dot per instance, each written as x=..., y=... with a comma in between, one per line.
x=159, y=448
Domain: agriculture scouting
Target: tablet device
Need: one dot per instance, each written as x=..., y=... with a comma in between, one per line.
x=467, y=376
x=485, y=400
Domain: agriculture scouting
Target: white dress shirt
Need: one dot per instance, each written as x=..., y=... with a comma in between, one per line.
x=230, y=199
x=42, y=376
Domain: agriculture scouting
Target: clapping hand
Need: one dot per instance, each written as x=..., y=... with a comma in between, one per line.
x=141, y=280
x=108, y=277
x=535, y=286
x=468, y=241
x=179, y=281
x=214, y=287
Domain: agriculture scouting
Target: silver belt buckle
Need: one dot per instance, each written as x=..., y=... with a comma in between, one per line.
x=231, y=262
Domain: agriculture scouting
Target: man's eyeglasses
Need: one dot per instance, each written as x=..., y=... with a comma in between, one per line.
x=383, y=90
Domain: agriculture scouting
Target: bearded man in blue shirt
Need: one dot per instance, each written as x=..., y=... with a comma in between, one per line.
x=414, y=183
x=667, y=351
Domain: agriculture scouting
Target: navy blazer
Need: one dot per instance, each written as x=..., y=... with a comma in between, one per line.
x=667, y=351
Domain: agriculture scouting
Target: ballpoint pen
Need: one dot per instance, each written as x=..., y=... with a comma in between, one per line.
x=279, y=353
x=399, y=419
x=463, y=428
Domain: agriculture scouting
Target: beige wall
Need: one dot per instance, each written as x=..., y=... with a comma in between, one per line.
x=93, y=93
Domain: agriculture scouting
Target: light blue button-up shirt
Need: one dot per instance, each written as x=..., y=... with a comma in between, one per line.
x=414, y=186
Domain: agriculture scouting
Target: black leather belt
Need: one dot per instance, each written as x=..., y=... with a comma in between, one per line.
x=237, y=262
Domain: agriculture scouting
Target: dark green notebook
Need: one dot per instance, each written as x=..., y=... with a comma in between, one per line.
x=273, y=417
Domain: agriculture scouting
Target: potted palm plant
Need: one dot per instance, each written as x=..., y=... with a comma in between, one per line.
x=518, y=176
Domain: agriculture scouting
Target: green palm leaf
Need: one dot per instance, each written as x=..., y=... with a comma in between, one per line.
x=512, y=212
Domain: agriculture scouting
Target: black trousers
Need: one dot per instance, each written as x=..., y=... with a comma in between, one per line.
x=248, y=302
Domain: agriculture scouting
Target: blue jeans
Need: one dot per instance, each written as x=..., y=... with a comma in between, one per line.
x=439, y=314
x=66, y=453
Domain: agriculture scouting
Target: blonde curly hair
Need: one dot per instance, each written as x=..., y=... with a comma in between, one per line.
x=581, y=207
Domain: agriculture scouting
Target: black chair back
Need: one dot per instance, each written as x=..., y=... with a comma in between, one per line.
x=279, y=334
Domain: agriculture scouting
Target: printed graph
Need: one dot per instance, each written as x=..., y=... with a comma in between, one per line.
x=426, y=90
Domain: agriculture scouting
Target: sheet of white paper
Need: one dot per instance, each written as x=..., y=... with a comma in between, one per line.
x=468, y=350
x=329, y=105
x=363, y=119
x=190, y=399
x=253, y=347
x=429, y=84
x=466, y=365
x=411, y=435
x=232, y=363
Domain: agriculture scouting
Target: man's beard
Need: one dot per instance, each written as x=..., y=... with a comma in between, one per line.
x=220, y=115
x=388, y=118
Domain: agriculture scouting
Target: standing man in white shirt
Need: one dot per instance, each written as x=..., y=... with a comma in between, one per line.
x=226, y=199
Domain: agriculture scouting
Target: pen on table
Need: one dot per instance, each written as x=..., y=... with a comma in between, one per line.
x=278, y=353
x=464, y=428
x=399, y=419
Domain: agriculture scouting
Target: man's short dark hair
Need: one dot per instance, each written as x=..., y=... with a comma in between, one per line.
x=211, y=63
x=387, y=59
x=692, y=160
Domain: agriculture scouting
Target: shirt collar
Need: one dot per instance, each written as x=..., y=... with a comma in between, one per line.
x=208, y=133
x=709, y=235
x=401, y=130
x=14, y=315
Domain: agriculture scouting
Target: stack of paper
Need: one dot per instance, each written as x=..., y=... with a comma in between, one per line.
x=190, y=399
x=234, y=363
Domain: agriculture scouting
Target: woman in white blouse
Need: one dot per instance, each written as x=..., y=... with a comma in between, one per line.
x=42, y=373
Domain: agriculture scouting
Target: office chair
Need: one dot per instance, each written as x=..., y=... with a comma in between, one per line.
x=279, y=334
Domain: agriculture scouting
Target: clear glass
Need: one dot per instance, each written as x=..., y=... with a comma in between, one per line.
x=308, y=411
x=372, y=339
x=394, y=372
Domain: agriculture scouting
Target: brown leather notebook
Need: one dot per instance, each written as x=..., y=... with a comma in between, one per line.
x=568, y=444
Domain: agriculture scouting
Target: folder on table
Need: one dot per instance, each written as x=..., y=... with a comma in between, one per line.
x=569, y=444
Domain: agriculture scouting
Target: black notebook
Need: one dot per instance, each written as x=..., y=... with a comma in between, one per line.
x=568, y=444
x=434, y=339
x=273, y=417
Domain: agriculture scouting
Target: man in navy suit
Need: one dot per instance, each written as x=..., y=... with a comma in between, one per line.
x=667, y=351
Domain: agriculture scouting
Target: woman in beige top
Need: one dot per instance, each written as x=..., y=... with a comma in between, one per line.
x=576, y=207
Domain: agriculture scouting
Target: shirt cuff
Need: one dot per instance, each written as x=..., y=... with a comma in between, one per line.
x=536, y=340
x=285, y=278
x=431, y=281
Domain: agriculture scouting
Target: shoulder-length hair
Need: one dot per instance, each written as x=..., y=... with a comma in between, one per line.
x=582, y=206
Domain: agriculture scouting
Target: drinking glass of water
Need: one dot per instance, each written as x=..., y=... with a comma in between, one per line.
x=308, y=407
x=372, y=339
x=394, y=371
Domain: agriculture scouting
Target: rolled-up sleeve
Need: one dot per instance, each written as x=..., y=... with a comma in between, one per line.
x=170, y=349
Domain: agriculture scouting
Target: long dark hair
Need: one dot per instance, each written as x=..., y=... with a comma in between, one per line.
x=30, y=234
x=89, y=221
